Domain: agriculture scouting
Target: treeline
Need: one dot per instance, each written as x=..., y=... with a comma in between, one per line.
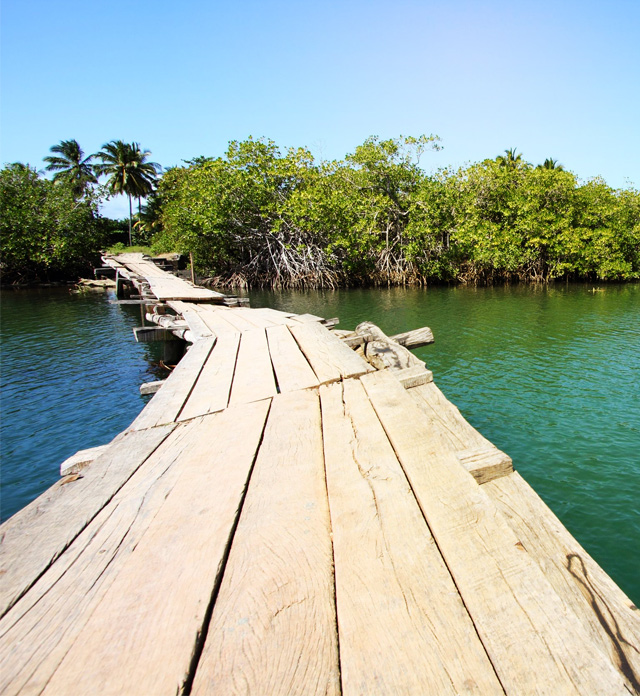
x=262, y=217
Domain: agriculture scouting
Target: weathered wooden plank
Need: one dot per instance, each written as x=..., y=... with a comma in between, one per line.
x=277, y=317
x=165, y=406
x=211, y=391
x=215, y=319
x=414, y=376
x=239, y=319
x=330, y=359
x=273, y=628
x=479, y=456
x=250, y=316
x=402, y=624
x=33, y=538
x=533, y=638
x=79, y=461
x=289, y=363
x=123, y=613
x=253, y=378
x=608, y=616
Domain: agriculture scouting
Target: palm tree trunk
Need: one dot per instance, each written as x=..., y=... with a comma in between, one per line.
x=130, y=218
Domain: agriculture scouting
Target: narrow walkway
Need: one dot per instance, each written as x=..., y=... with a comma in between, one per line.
x=282, y=518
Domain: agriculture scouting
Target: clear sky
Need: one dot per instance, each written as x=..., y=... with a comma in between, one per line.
x=554, y=78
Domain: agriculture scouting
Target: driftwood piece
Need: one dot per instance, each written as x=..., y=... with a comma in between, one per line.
x=415, y=338
x=384, y=353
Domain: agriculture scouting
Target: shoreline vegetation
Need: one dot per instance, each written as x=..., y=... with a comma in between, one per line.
x=263, y=217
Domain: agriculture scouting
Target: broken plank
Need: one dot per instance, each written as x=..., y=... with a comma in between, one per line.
x=608, y=616
x=36, y=535
x=165, y=406
x=253, y=378
x=391, y=581
x=273, y=628
x=78, y=461
x=289, y=363
x=125, y=613
x=531, y=635
x=211, y=391
x=330, y=359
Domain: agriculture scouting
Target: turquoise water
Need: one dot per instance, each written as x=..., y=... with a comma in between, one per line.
x=550, y=375
x=71, y=371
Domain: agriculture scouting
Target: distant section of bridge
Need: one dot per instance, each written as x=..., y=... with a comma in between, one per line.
x=300, y=510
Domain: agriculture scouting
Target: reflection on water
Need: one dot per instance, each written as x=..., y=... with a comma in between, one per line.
x=551, y=375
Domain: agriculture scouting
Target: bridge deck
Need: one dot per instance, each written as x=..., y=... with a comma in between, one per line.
x=283, y=519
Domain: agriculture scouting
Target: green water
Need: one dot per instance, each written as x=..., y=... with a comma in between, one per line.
x=551, y=375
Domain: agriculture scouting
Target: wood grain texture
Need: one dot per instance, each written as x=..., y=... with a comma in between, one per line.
x=167, y=403
x=79, y=461
x=478, y=456
x=123, y=611
x=211, y=391
x=277, y=317
x=253, y=378
x=273, y=627
x=329, y=357
x=533, y=638
x=402, y=624
x=216, y=319
x=608, y=616
x=34, y=537
x=289, y=363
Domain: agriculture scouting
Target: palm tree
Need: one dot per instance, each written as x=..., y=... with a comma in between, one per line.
x=71, y=165
x=128, y=171
x=551, y=163
x=510, y=160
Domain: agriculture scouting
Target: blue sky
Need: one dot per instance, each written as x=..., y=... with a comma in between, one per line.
x=553, y=79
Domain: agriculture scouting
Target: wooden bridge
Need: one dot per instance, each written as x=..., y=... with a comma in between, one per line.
x=288, y=515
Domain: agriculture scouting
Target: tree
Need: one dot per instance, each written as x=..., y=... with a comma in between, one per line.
x=551, y=163
x=46, y=233
x=511, y=159
x=128, y=171
x=72, y=166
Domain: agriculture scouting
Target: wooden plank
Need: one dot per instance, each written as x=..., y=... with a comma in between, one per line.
x=402, y=624
x=533, y=639
x=608, y=616
x=245, y=314
x=211, y=391
x=478, y=456
x=289, y=363
x=215, y=319
x=124, y=612
x=330, y=359
x=253, y=379
x=35, y=536
x=273, y=629
x=278, y=317
x=165, y=406
x=79, y=461
x=414, y=376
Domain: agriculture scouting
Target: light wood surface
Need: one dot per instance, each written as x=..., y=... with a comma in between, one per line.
x=167, y=403
x=289, y=363
x=35, y=536
x=330, y=359
x=211, y=391
x=396, y=601
x=273, y=629
x=533, y=639
x=607, y=615
x=152, y=575
x=253, y=378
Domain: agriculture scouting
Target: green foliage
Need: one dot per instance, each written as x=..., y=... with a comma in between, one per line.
x=45, y=232
x=259, y=216
x=71, y=166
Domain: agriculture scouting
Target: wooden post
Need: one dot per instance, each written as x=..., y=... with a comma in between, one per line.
x=193, y=272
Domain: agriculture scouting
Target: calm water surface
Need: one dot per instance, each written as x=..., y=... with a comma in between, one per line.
x=550, y=375
x=70, y=376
